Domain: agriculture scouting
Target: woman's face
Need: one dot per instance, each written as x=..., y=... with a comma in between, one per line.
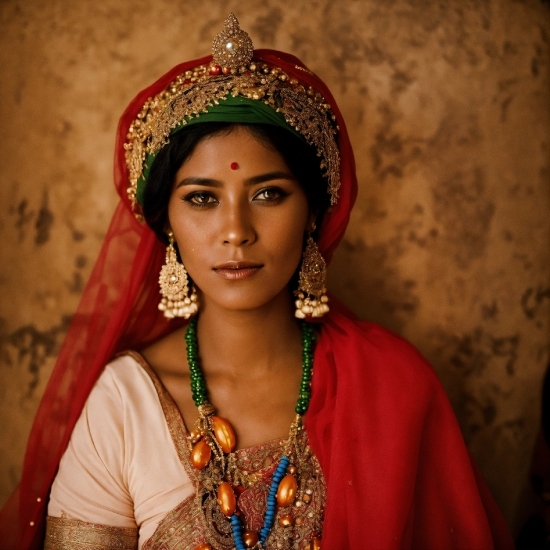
x=239, y=216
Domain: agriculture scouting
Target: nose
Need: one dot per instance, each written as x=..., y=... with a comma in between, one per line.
x=238, y=227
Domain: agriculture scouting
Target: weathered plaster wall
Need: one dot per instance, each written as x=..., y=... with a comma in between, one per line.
x=447, y=105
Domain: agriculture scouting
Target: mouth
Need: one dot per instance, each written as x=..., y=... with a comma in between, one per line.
x=237, y=270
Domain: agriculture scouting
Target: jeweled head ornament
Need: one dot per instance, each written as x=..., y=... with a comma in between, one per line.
x=232, y=47
x=198, y=95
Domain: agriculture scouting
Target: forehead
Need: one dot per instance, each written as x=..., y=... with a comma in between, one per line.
x=237, y=146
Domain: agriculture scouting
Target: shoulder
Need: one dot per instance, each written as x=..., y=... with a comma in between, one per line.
x=376, y=356
x=371, y=343
x=121, y=466
x=123, y=374
x=120, y=394
x=99, y=451
x=122, y=413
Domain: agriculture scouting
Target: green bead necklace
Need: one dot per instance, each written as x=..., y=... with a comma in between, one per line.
x=198, y=383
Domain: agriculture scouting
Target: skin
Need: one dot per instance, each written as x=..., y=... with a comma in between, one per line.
x=249, y=341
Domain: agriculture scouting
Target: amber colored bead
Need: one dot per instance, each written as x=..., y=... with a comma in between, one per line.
x=250, y=539
x=299, y=521
x=315, y=544
x=224, y=434
x=226, y=70
x=200, y=455
x=306, y=498
x=287, y=520
x=292, y=469
x=287, y=490
x=215, y=70
x=227, y=499
x=203, y=546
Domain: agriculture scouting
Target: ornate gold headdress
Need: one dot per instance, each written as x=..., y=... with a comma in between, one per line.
x=232, y=72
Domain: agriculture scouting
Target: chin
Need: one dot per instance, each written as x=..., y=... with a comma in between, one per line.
x=249, y=301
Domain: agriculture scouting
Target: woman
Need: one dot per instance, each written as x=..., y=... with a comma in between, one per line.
x=241, y=166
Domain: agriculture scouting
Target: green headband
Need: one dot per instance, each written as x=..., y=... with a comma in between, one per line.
x=236, y=109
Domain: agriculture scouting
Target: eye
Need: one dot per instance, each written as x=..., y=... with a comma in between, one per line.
x=200, y=199
x=270, y=194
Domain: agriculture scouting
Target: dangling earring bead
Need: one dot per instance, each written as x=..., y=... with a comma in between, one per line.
x=312, y=298
x=174, y=287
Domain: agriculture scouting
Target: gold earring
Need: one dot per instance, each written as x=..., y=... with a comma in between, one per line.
x=174, y=287
x=312, y=298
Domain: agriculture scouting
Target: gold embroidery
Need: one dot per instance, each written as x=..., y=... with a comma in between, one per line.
x=185, y=527
x=182, y=528
x=73, y=534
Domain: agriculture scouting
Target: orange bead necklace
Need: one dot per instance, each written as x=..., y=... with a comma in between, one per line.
x=214, y=441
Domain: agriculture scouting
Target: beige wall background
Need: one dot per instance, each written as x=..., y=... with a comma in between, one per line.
x=448, y=108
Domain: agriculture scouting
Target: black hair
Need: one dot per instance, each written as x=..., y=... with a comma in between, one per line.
x=301, y=159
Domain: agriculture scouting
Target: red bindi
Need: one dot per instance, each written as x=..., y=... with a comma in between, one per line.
x=234, y=166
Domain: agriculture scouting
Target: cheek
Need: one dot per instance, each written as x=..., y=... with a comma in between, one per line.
x=193, y=244
x=290, y=259
x=286, y=241
x=290, y=241
x=190, y=236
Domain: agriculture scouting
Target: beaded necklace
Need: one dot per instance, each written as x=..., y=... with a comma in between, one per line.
x=214, y=440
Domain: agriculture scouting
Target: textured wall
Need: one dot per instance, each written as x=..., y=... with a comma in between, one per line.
x=447, y=105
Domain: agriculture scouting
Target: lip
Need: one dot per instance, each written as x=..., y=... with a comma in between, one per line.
x=237, y=270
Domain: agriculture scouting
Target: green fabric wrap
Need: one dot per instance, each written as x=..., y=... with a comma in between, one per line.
x=231, y=109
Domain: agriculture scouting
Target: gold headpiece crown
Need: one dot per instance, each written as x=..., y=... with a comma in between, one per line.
x=232, y=71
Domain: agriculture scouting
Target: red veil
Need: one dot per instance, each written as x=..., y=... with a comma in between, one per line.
x=397, y=471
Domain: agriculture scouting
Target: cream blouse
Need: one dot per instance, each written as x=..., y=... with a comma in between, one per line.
x=121, y=467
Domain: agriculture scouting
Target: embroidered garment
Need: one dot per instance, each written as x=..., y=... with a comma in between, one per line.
x=72, y=534
x=126, y=474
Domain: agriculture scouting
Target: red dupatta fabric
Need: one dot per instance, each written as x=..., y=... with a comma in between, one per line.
x=397, y=469
x=379, y=422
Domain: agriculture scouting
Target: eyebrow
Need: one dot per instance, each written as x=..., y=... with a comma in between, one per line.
x=208, y=182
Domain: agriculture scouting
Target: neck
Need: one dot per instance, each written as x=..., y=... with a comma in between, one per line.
x=247, y=342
